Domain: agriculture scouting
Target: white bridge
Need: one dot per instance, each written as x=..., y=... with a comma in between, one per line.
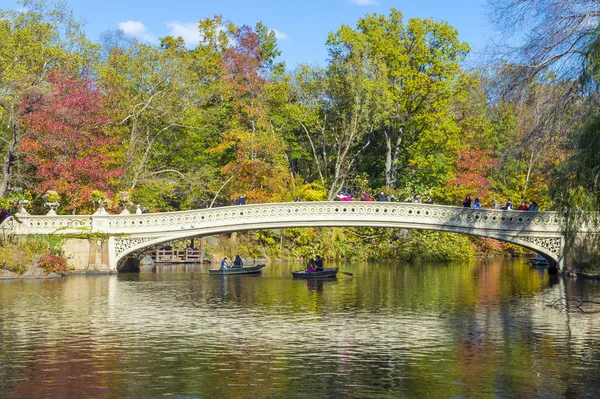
x=112, y=238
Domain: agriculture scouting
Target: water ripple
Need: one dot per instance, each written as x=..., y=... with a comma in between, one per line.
x=390, y=331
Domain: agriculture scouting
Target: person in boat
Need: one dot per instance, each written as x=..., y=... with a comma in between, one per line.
x=238, y=262
x=311, y=268
x=225, y=264
x=319, y=264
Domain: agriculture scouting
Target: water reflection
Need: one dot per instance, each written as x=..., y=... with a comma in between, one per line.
x=464, y=330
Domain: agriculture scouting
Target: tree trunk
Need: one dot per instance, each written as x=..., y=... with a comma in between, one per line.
x=388, y=156
x=9, y=159
x=392, y=156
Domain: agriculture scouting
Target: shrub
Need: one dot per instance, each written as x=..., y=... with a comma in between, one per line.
x=18, y=256
x=15, y=258
x=50, y=263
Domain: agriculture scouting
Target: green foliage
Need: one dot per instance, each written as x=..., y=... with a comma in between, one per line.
x=156, y=197
x=18, y=196
x=51, y=243
x=392, y=110
x=577, y=188
x=19, y=256
x=348, y=243
x=419, y=71
x=310, y=192
x=51, y=196
x=15, y=257
x=433, y=246
x=98, y=196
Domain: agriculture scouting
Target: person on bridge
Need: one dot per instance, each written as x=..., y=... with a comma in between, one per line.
x=382, y=197
x=533, y=206
x=225, y=264
x=476, y=204
x=508, y=206
x=238, y=262
x=467, y=201
x=241, y=200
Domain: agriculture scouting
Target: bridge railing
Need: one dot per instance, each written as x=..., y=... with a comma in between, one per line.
x=419, y=213
x=283, y=212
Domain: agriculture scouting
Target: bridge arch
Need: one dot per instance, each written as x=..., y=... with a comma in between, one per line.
x=538, y=231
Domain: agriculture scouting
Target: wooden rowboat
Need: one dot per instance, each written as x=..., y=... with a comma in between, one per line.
x=238, y=270
x=325, y=273
x=538, y=261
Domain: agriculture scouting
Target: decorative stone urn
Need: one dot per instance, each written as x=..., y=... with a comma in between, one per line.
x=53, y=206
x=101, y=202
x=22, y=204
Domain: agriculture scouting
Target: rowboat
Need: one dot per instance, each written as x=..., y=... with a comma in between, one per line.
x=238, y=270
x=538, y=261
x=325, y=273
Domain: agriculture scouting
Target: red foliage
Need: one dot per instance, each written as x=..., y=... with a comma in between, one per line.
x=66, y=144
x=473, y=167
x=245, y=70
x=53, y=264
x=258, y=166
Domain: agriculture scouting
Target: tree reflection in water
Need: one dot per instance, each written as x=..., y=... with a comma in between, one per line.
x=391, y=330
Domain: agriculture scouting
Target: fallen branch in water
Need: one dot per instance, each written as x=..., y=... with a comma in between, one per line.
x=580, y=305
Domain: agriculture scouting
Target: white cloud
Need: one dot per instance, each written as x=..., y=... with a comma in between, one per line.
x=364, y=2
x=280, y=35
x=137, y=30
x=188, y=31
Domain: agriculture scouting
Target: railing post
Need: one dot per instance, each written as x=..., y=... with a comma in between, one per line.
x=99, y=223
x=21, y=223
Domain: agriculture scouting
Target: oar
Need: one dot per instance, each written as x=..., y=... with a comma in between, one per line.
x=346, y=273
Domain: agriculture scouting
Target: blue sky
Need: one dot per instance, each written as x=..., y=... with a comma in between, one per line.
x=301, y=26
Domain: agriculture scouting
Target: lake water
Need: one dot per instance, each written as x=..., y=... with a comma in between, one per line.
x=484, y=329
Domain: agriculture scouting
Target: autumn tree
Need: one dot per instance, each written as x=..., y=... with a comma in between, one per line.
x=473, y=170
x=67, y=146
x=34, y=41
x=254, y=151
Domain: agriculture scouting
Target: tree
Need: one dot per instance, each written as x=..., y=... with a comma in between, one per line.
x=472, y=176
x=562, y=37
x=533, y=135
x=254, y=151
x=165, y=102
x=421, y=65
x=67, y=146
x=335, y=114
x=34, y=42
x=556, y=34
